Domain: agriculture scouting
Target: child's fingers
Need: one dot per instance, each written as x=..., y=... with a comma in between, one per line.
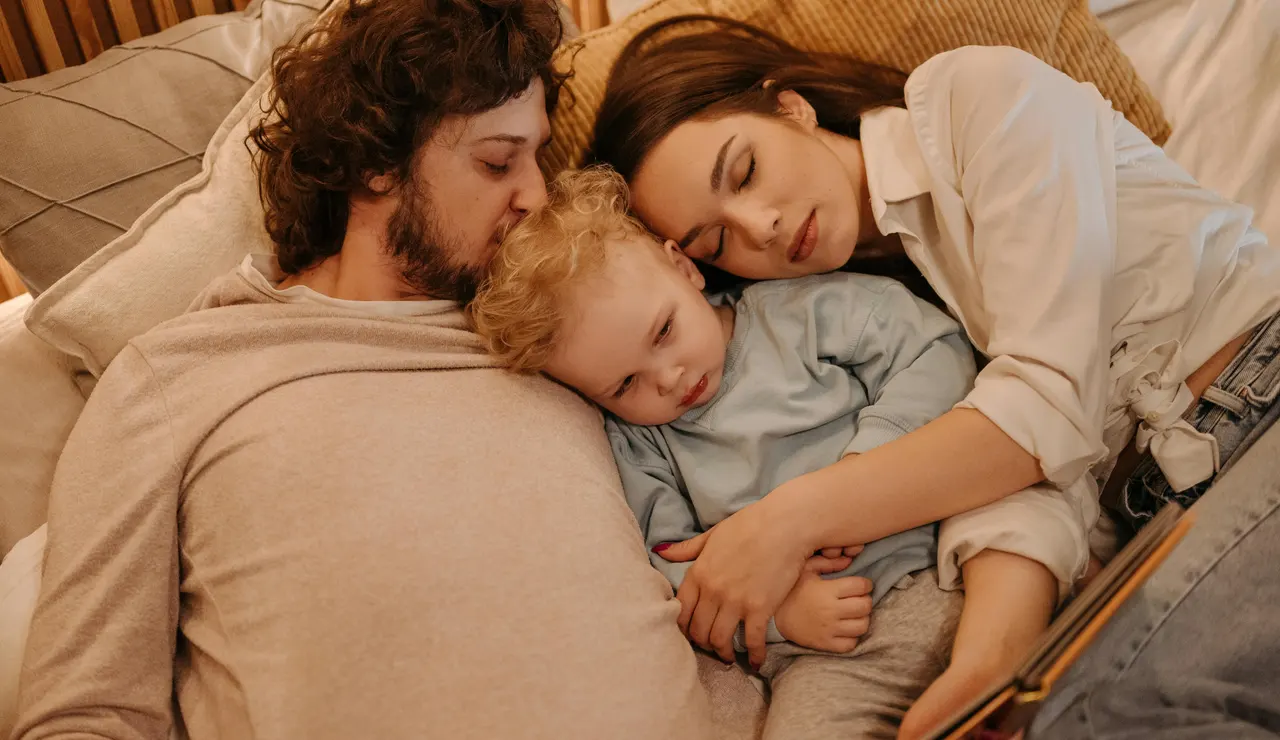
x=821, y=564
x=853, y=627
x=853, y=607
x=853, y=550
x=853, y=586
x=843, y=644
x=832, y=552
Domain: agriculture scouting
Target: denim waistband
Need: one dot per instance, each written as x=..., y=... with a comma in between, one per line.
x=1236, y=409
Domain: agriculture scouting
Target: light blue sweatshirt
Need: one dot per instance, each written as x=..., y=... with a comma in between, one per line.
x=818, y=368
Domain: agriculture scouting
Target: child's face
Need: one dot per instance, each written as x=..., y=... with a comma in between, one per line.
x=640, y=339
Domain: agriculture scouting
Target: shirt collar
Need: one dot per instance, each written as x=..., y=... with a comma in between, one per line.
x=263, y=272
x=896, y=170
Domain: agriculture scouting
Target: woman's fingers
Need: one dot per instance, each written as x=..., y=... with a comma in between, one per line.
x=688, y=597
x=755, y=627
x=704, y=617
x=722, y=631
x=853, y=627
x=683, y=552
x=832, y=552
x=853, y=550
x=853, y=586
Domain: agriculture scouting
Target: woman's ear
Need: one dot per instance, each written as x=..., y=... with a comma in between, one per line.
x=794, y=106
x=684, y=264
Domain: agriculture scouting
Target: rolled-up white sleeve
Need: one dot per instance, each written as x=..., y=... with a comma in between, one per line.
x=1033, y=160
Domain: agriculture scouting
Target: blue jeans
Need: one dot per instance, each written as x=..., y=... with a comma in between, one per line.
x=1236, y=409
x=1195, y=653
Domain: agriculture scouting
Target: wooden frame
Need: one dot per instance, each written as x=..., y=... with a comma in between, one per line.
x=10, y=285
x=39, y=36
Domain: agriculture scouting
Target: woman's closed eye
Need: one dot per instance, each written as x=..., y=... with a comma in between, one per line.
x=496, y=169
x=751, y=171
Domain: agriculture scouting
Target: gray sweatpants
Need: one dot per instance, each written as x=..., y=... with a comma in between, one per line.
x=865, y=693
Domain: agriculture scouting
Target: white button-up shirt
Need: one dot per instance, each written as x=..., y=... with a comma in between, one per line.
x=1090, y=268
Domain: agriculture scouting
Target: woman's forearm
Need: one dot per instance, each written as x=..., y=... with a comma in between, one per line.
x=957, y=462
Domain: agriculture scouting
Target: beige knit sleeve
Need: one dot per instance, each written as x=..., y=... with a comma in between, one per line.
x=99, y=660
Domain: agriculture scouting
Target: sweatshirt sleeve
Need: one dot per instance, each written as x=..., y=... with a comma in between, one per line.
x=657, y=497
x=911, y=358
x=654, y=493
x=99, y=658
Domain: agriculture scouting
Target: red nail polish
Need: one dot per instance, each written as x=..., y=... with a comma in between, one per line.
x=661, y=546
x=755, y=666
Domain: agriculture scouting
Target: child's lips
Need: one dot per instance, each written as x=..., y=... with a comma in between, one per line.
x=695, y=392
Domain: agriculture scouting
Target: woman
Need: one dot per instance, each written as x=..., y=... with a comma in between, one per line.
x=1106, y=288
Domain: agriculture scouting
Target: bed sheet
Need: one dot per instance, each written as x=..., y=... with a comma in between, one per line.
x=1215, y=67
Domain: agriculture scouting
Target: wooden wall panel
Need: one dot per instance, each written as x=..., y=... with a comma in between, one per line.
x=38, y=36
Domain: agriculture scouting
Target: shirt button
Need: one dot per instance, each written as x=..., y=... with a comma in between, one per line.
x=1152, y=417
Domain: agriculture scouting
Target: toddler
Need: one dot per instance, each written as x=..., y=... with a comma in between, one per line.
x=714, y=401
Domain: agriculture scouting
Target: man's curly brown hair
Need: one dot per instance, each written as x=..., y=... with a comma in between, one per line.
x=359, y=94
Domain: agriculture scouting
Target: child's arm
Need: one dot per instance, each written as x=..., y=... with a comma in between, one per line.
x=912, y=358
x=654, y=493
x=665, y=514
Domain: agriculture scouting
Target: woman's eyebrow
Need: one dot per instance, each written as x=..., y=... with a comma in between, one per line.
x=717, y=177
x=717, y=173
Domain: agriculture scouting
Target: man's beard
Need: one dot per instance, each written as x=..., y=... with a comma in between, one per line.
x=426, y=255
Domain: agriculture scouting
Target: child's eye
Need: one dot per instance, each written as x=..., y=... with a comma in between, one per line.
x=626, y=386
x=664, y=331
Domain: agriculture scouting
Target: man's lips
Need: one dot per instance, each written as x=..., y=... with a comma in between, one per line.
x=805, y=240
x=695, y=392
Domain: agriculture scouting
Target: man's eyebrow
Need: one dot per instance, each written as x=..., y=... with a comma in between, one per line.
x=717, y=174
x=506, y=139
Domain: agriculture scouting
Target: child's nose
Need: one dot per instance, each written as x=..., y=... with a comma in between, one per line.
x=669, y=380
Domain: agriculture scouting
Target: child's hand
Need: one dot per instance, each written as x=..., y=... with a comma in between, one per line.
x=825, y=614
x=832, y=559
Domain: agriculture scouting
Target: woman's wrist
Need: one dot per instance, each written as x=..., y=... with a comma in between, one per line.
x=794, y=509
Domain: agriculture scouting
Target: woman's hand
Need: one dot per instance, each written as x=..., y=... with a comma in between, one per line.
x=745, y=566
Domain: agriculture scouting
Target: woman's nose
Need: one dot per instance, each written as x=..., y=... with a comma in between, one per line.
x=755, y=221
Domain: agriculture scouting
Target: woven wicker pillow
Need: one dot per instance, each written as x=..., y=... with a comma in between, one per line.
x=897, y=33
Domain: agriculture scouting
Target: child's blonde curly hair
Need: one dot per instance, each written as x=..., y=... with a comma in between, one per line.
x=520, y=307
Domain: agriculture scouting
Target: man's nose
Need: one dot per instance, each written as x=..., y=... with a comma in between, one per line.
x=530, y=193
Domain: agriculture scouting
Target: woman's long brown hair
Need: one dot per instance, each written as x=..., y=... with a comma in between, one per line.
x=700, y=67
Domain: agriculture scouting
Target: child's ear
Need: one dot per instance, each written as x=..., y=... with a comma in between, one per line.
x=794, y=106
x=684, y=264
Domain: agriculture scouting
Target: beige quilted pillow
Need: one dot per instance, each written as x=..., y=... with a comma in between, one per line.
x=897, y=33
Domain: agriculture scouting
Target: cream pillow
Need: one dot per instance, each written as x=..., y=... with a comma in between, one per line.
x=150, y=274
x=39, y=404
x=19, y=588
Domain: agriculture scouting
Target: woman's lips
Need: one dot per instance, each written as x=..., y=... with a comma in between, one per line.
x=805, y=240
x=695, y=392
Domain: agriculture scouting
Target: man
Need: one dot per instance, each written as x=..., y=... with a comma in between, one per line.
x=314, y=508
